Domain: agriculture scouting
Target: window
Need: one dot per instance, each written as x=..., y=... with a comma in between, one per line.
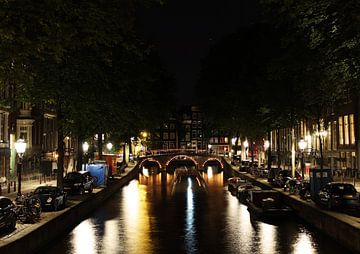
x=171, y=145
x=172, y=135
x=165, y=126
x=352, y=129
x=346, y=130
x=194, y=125
x=341, y=131
x=187, y=127
x=193, y=135
x=187, y=136
x=172, y=126
x=165, y=136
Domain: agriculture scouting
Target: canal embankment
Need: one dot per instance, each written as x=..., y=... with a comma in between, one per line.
x=343, y=228
x=48, y=229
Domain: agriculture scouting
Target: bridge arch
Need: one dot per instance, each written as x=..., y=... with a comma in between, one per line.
x=150, y=160
x=181, y=157
x=211, y=160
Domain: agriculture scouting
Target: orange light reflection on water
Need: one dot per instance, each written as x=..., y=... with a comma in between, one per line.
x=136, y=219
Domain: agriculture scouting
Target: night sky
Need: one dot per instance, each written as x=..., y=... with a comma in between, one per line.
x=184, y=30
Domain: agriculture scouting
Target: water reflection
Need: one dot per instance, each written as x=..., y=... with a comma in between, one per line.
x=190, y=231
x=145, y=217
x=84, y=231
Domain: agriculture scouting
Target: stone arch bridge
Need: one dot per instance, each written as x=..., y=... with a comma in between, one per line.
x=167, y=160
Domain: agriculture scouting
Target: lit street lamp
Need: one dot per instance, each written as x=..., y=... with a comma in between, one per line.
x=209, y=147
x=302, y=146
x=20, y=147
x=109, y=146
x=246, y=145
x=85, y=147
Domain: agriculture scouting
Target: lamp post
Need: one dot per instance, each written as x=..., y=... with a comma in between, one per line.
x=85, y=147
x=209, y=147
x=302, y=146
x=20, y=147
x=246, y=145
x=266, y=147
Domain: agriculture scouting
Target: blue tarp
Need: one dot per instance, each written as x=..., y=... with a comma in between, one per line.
x=100, y=172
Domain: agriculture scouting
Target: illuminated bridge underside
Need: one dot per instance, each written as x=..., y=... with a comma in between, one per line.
x=198, y=160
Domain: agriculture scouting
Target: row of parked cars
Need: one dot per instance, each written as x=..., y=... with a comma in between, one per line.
x=28, y=207
x=333, y=195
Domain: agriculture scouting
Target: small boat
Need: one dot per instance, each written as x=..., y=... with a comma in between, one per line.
x=234, y=182
x=267, y=204
x=243, y=191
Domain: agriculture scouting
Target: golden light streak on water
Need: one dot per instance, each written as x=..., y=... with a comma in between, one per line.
x=83, y=239
x=268, y=238
x=136, y=219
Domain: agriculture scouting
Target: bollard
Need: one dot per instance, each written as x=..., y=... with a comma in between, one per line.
x=40, y=179
x=14, y=186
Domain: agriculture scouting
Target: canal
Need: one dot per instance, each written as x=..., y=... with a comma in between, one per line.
x=150, y=215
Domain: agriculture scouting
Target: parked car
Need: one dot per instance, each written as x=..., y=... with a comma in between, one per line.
x=78, y=182
x=338, y=195
x=51, y=197
x=7, y=214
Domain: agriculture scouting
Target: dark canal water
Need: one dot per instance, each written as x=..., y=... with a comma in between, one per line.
x=150, y=216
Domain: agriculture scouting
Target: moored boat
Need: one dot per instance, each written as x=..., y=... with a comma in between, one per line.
x=267, y=204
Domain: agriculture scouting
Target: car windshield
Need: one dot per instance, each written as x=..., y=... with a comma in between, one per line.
x=44, y=191
x=72, y=176
x=344, y=189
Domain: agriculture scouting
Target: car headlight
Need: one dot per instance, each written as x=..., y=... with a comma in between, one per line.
x=49, y=200
x=77, y=184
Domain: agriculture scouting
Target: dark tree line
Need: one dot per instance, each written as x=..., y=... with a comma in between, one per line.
x=84, y=59
x=296, y=62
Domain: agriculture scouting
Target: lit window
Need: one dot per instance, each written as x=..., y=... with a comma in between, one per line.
x=352, y=129
x=346, y=130
x=341, y=131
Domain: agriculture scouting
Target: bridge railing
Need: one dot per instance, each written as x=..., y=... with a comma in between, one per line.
x=151, y=153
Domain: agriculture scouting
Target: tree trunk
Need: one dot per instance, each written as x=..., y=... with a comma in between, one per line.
x=79, y=153
x=321, y=145
x=269, y=151
x=124, y=153
x=236, y=143
x=130, y=148
x=251, y=146
x=100, y=147
x=278, y=148
x=60, y=146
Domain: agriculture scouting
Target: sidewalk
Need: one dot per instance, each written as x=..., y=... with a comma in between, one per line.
x=26, y=187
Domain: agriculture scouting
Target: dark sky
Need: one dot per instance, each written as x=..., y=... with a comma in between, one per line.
x=183, y=30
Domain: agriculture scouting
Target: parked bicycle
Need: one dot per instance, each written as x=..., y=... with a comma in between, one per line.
x=28, y=208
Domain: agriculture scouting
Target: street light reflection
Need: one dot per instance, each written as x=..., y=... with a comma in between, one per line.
x=268, y=238
x=210, y=172
x=85, y=230
x=303, y=244
x=136, y=219
x=189, y=229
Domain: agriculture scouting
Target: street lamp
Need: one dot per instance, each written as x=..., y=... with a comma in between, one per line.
x=246, y=145
x=109, y=146
x=302, y=146
x=20, y=147
x=85, y=147
x=209, y=147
